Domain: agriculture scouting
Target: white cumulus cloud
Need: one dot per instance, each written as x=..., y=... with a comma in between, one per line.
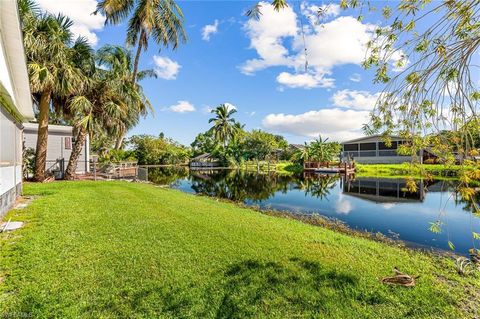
x=335, y=123
x=166, y=68
x=359, y=100
x=80, y=12
x=209, y=29
x=182, y=107
x=304, y=80
x=278, y=41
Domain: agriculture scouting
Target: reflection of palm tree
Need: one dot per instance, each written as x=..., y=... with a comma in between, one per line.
x=320, y=186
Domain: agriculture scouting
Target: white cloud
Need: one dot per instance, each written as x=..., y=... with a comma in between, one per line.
x=80, y=11
x=182, y=107
x=355, y=77
x=209, y=29
x=166, y=68
x=316, y=13
x=266, y=37
x=230, y=106
x=304, y=80
x=252, y=113
x=335, y=123
x=278, y=41
x=359, y=100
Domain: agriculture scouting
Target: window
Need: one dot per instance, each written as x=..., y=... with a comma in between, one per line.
x=383, y=146
x=368, y=146
x=350, y=147
x=68, y=142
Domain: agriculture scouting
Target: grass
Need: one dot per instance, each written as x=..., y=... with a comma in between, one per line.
x=439, y=171
x=124, y=250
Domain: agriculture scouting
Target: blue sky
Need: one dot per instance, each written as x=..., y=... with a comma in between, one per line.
x=257, y=66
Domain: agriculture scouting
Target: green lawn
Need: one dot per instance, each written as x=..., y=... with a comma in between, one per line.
x=123, y=250
x=439, y=171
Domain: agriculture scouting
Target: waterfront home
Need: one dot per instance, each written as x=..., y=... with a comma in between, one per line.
x=204, y=160
x=15, y=103
x=61, y=139
x=373, y=150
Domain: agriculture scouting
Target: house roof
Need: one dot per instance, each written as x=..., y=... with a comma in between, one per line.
x=201, y=156
x=376, y=136
x=33, y=127
x=14, y=83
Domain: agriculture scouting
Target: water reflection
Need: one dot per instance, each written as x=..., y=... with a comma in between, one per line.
x=372, y=204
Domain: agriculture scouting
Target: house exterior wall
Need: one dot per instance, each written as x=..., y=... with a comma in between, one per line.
x=57, y=146
x=15, y=104
x=10, y=160
x=372, y=150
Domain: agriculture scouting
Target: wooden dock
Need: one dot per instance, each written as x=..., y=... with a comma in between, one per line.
x=330, y=168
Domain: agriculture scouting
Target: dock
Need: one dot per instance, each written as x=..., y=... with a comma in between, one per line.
x=330, y=168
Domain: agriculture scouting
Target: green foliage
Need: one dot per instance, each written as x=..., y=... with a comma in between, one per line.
x=116, y=156
x=28, y=162
x=151, y=150
x=319, y=150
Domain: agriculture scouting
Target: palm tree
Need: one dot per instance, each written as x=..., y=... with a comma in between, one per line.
x=111, y=104
x=224, y=126
x=160, y=19
x=52, y=71
x=119, y=61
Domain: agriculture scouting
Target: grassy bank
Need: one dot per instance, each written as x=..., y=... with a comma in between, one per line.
x=406, y=169
x=122, y=250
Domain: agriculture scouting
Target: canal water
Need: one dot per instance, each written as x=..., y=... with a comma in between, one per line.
x=372, y=204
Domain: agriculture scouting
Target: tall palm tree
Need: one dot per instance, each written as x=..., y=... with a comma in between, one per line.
x=224, y=125
x=111, y=104
x=52, y=71
x=161, y=20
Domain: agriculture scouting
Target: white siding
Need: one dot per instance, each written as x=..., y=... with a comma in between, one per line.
x=56, y=148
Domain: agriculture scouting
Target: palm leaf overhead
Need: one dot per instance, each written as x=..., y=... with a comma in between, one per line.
x=161, y=20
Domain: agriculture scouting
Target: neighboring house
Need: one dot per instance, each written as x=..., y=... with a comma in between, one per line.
x=372, y=150
x=15, y=103
x=204, y=160
x=59, y=148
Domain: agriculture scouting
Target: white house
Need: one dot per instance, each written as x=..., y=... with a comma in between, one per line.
x=372, y=150
x=60, y=143
x=15, y=103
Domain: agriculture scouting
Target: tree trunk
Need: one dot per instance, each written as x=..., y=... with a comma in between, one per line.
x=119, y=141
x=77, y=149
x=42, y=136
x=137, y=56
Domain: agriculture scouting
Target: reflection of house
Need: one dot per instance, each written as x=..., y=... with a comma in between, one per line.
x=204, y=160
x=15, y=103
x=59, y=147
x=383, y=190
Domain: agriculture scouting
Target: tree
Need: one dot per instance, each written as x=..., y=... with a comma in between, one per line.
x=259, y=145
x=118, y=61
x=151, y=150
x=224, y=127
x=51, y=66
x=161, y=20
x=110, y=103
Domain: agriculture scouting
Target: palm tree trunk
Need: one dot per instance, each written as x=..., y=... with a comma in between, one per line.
x=77, y=149
x=137, y=56
x=42, y=136
x=119, y=141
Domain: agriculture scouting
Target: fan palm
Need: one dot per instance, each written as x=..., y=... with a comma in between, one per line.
x=111, y=104
x=161, y=20
x=224, y=125
x=53, y=74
